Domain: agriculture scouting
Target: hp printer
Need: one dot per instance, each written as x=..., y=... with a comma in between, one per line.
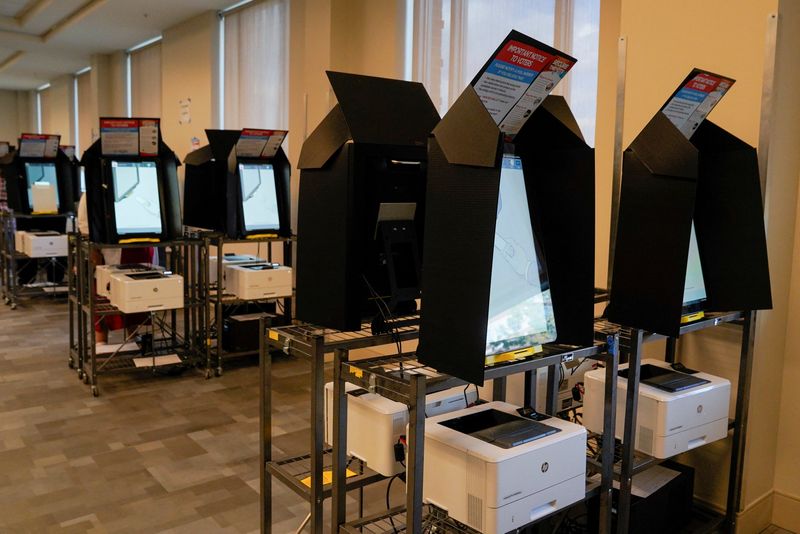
x=496, y=471
x=229, y=259
x=146, y=290
x=41, y=244
x=102, y=274
x=259, y=281
x=677, y=411
x=375, y=423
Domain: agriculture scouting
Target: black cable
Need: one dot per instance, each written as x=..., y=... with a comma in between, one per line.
x=385, y=316
x=388, y=505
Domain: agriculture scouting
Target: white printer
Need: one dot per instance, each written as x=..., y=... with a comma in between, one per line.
x=146, y=290
x=496, y=471
x=258, y=280
x=677, y=411
x=375, y=423
x=229, y=259
x=19, y=240
x=41, y=244
x=102, y=274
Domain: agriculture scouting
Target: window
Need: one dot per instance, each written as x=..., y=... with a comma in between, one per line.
x=85, y=127
x=43, y=110
x=144, y=71
x=255, y=65
x=454, y=38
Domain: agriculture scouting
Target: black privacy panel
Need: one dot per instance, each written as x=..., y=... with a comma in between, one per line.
x=652, y=249
x=559, y=176
x=729, y=220
x=459, y=237
x=327, y=294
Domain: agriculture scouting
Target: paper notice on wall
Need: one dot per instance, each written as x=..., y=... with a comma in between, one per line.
x=273, y=143
x=697, y=95
x=148, y=137
x=517, y=79
x=185, y=111
x=119, y=137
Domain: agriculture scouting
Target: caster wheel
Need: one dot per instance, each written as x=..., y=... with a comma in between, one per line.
x=71, y=364
x=208, y=374
x=14, y=306
x=6, y=301
x=80, y=374
x=95, y=391
x=218, y=372
x=85, y=378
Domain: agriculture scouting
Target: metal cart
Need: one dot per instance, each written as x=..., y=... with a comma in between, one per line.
x=221, y=304
x=171, y=336
x=11, y=260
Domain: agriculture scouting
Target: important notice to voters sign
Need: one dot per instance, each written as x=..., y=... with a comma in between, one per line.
x=254, y=143
x=694, y=99
x=517, y=79
x=129, y=136
x=38, y=145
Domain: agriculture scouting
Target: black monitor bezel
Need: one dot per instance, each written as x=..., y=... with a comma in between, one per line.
x=541, y=264
x=695, y=306
x=108, y=182
x=25, y=193
x=279, y=195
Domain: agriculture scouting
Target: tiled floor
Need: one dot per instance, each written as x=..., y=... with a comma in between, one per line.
x=151, y=454
x=776, y=530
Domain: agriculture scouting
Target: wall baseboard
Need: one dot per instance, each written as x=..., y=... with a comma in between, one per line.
x=757, y=516
x=786, y=511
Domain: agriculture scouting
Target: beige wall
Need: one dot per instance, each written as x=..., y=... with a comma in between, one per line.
x=9, y=126
x=336, y=35
x=58, y=117
x=189, y=54
x=785, y=169
x=663, y=44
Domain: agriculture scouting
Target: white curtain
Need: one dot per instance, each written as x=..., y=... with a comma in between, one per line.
x=146, y=81
x=46, y=111
x=454, y=38
x=257, y=66
x=86, y=118
x=582, y=94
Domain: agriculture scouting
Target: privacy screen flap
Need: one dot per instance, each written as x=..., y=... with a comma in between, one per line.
x=729, y=219
x=372, y=112
x=666, y=182
x=561, y=193
x=462, y=196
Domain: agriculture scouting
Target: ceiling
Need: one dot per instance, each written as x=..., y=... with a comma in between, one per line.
x=43, y=39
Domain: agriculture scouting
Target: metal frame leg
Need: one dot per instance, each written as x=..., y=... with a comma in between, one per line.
x=317, y=433
x=416, y=444
x=265, y=427
x=499, y=389
x=670, y=349
x=530, y=389
x=609, y=426
x=339, y=490
x=740, y=422
x=551, y=406
x=632, y=339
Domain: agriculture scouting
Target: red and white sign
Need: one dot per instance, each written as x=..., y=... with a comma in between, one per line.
x=38, y=145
